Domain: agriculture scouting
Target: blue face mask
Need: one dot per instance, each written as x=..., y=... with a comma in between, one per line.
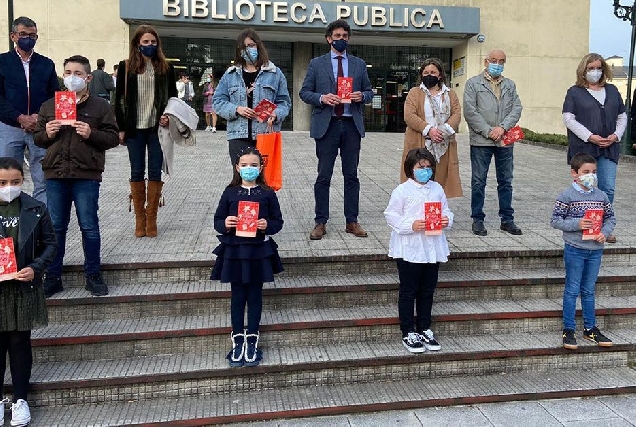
x=340, y=45
x=250, y=54
x=148, y=50
x=26, y=44
x=249, y=173
x=423, y=175
x=495, y=70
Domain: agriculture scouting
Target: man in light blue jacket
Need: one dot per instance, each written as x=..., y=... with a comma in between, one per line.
x=491, y=108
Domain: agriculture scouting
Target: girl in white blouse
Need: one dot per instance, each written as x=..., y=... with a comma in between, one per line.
x=417, y=254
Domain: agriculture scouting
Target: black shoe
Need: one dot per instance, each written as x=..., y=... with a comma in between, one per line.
x=236, y=356
x=569, y=340
x=479, y=229
x=253, y=354
x=511, y=228
x=96, y=286
x=428, y=339
x=597, y=337
x=413, y=343
x=52, y=285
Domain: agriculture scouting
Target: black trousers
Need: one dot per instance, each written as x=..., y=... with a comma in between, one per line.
x=417, y=285
x=252, y=295
x=18, y=345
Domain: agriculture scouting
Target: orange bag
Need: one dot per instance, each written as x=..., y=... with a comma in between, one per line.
x=271, y=147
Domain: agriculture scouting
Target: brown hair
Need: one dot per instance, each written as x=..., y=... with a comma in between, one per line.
x=136, y=62
x=581, y=70
x=580, y=159
x=415, y=156
x=438, y=64
x=263, y=56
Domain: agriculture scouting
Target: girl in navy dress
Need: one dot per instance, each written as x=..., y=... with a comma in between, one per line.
x=247, y=262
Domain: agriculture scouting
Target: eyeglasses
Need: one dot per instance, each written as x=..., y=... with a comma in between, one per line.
x=495, y=61
x=23, y=35
x=251, y=45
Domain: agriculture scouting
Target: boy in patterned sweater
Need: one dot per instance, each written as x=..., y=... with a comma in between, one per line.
x=582, y=258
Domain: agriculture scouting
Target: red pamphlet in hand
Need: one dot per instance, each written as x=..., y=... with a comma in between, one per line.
x=65, y=107
x=433, y=218
x=247, y=217
x=264, y=109
x=513, y=135
x=345, y=87
x=8, y=264
x=596, y=215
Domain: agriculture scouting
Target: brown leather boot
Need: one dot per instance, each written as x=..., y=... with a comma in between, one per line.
x=138, y=198
x=154, y=197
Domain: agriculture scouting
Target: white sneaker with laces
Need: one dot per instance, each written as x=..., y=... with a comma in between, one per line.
x=213, y=130
x=2, y=403
x=208, y=128
x=20, y=414
x=428, y=339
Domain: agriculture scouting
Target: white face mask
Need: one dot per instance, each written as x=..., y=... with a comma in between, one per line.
x=593, y=76
x=74, y=83
x=8, y=193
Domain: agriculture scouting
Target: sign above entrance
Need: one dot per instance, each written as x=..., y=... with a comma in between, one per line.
x=310, y=15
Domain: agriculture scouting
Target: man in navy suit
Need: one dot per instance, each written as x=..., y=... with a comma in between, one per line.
x=337, y=126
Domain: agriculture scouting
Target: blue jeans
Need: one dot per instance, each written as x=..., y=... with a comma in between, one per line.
x=12, y=143
x=581, y=271
x=606, y=173
x=137, y=154
x=85, y=194
x=480, y=158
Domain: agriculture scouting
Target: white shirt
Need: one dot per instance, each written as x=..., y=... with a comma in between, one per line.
x=407, y=205
x=25, y=65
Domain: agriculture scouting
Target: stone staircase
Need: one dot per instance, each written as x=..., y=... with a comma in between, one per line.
x=153, y=351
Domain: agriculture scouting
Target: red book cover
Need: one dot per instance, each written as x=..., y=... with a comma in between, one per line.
x=247, y=217
x=513, y=135
x=345, y=87
x=596, y=215
x=264, y=109
x=433, y=218
x=8, y=264
x=65, y=107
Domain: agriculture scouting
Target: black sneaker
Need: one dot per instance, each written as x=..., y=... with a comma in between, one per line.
x=413, y=343
x=479, y=229
x=52, y=285
x=569, y=339
x=96, y=286
x=597, y=337
x=429, y=341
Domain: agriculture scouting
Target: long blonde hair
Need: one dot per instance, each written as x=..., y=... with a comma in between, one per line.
x=581, y=70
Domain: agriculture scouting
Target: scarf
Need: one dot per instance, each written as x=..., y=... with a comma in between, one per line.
x=441, y=112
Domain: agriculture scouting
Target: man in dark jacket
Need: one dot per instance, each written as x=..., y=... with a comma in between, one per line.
x=73, y=166
x=101, y=83
x=27, y=79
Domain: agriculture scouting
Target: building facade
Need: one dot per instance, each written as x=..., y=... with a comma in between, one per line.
x=543, y=39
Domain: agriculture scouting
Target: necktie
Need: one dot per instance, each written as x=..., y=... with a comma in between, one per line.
x=339, y=109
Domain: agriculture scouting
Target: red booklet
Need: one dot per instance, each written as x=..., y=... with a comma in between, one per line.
x=8, y=264
x=513, y=135
x=247, y=217
x=65, y=107
x=264, y=109
x=596, y=215
x=345, y=87
x=433, y=218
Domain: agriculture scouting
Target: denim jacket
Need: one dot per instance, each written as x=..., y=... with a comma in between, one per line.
x=231, y=93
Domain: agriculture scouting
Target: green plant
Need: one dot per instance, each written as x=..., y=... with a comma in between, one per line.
x=547, y=138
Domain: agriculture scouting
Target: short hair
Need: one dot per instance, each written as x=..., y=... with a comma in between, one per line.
x=79, y=59
x=101, y=63
x=581, y=70
x=263, y=55
x=338, y=23
x=415, y=156
x=9, y=163
x=438, y=64
x=115, y=67
x=580, y=159
x=24, y=21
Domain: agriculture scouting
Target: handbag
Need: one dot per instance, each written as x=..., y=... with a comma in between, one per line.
x=270, y=146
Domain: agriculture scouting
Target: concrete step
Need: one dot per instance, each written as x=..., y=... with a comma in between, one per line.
x=187, y=375
x=121, y=338
x=305, y=401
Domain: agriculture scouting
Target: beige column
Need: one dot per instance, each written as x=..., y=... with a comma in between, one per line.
x=302, y=111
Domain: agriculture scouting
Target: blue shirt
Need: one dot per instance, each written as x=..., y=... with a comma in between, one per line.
x=345, y=72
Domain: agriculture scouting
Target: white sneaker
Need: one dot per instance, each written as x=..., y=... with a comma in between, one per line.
x=2, y=403
x=213, y=130
x=207, y=129
x=20, y=414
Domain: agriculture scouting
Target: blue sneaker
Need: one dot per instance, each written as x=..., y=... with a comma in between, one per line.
x=253, y=355
x=236, y=355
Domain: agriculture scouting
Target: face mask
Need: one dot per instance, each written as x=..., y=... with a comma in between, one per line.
x=249, y=173
x=10, y=192
x=340, y=45
x=495, y=70
x=250, y=54
x=148, y=50
x=208, y=80
x=593, y=76
x=74, y=83
x=588, y=180
x=423, y=175
x=26, y=44
x=430, y=81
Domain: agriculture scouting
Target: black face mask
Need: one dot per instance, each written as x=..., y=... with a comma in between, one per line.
x=430, y=81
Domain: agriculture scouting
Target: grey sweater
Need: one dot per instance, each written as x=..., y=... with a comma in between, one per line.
x=569, y=209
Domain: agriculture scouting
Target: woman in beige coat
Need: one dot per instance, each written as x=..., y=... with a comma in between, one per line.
x=432, y=113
